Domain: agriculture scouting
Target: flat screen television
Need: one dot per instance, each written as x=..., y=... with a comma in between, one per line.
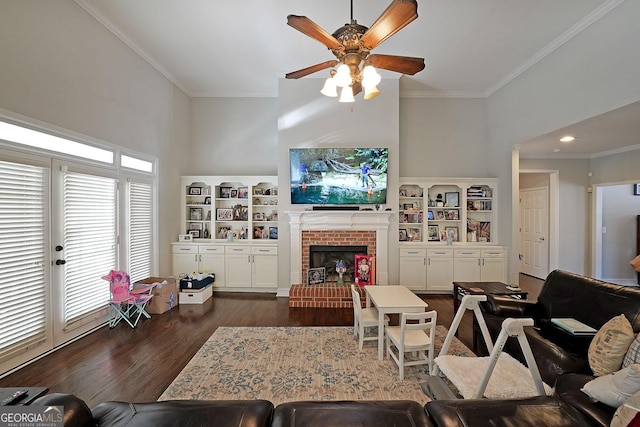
x=338, y=176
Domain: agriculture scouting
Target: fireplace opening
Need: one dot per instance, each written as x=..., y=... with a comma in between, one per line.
x=328, y=255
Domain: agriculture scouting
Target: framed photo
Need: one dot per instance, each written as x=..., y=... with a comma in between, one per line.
x=433, y=233
x=403, y=193
x=451, y=214
x=484, y=231
x=364, y=270
x=234, y=194
x=195, y=233
x=452, y=199
x=430, y=216
x=452, y=232
x=224, y=214
x=403, y=235
x=258, y=191
x=273, y=216
x=195, y=191
x=222, y=232
x=225, y=192
x=257, y=231
x=414, y=235
x=316, y=276
x=195, y=214
x=207, y=200
x=636, y=189
x=273, y=233
x=407, y=206
x=242, y=192
x=258, y=216
x=195, y=226
x=440, y=215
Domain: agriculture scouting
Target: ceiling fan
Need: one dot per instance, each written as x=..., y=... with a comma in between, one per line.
x=352, y=44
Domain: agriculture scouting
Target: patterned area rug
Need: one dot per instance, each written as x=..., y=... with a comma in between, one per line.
x=284, y=364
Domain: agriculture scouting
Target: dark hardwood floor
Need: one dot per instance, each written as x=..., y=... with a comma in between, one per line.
x=139, y=364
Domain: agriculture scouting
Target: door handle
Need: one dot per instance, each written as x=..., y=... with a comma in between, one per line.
x=542, y=238
x=60, y=262
x=59, y=248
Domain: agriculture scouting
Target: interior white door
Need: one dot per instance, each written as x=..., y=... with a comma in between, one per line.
x=534, y=232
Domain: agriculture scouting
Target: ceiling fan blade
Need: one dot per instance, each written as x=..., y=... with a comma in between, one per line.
x=310, y=70
x=400, y=64
x=397, y=16
x=313, y=30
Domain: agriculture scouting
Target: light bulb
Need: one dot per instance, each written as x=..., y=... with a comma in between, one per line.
x=343, y=76
x=347, y=95
x=329, y=88
x=370, y=76
x=371, y=92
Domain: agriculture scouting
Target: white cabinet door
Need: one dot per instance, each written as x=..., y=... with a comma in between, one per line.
x=237, y=267
x=494, y=266
x=413, y=269
x=440, y=270
x=211, y=259
x=185, y=259
x=466, y=265
x=265, y=271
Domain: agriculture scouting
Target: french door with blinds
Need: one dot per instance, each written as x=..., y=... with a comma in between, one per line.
x=62, y=227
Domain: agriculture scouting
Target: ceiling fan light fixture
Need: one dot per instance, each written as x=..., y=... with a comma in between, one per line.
x=343, y=76
x=347, y=95
x=329, y=89
x=371, y=92
x=370, y=77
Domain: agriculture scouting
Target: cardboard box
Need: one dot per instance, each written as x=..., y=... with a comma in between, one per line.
x=198, y=296
x=165, y=295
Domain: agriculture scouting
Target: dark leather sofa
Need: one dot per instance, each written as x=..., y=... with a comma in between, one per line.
x=562, y=363
x=563, y=294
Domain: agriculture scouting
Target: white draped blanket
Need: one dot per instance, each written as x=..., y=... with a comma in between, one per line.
x=510, y=378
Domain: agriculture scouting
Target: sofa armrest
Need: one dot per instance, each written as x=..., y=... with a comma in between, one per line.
x=510, y=307
x=76, y=411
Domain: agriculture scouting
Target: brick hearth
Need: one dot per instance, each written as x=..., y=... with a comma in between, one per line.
x=327, y=295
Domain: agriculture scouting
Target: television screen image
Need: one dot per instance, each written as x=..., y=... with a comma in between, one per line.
x=338, y=176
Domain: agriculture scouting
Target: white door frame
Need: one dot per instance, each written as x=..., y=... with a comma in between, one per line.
x=545, y=190
x=554, y=216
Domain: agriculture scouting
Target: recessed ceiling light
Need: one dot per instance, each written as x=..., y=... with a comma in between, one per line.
x=568, y=138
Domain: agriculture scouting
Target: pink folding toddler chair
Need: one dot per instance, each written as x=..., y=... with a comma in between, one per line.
x=126, y=304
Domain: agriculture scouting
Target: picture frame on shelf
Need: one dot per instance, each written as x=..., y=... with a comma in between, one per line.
x=636, y=189
x=224, y=214
x=433, y=233
x=234, y=193
x=414, y=234
x=273, y=216
x=258, y=191
x=243, y=192
x=195, y=191
x=440, y=215
x=225, y=192
x=258, y=216
x=484, y=231
x=257, y=231
x=195, y=226
x=430, y=216
x=195, y=214
x=403, y=192
x=223, y=232
x=273, y=233
x=453, y=232
x=452, y=199
x=207, y=200
x=195, y=234
x=451, y=215
x=403, y=237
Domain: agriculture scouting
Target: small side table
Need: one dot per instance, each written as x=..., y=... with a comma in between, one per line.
x=32, y=394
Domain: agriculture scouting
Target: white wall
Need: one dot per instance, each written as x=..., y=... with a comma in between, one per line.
x=233, y=136
x=595, y=72
x=60, y=66
x=308, y=119
x=619, y=211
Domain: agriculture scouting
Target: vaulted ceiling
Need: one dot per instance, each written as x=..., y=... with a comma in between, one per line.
x=240, y=48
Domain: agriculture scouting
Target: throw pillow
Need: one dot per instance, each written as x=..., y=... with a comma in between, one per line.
x=628, y=413
x=609, y=346
x=633, y=354
x=614, y=389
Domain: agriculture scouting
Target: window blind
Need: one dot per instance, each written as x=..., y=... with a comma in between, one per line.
x=23, y=307
x=89, y=229
x=140, y=230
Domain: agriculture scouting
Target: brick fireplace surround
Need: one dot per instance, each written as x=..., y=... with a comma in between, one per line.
x=308, y=228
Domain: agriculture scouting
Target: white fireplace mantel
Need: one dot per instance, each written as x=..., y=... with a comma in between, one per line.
x=377, y=221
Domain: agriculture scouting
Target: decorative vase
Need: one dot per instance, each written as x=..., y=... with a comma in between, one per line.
x=474, y=237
